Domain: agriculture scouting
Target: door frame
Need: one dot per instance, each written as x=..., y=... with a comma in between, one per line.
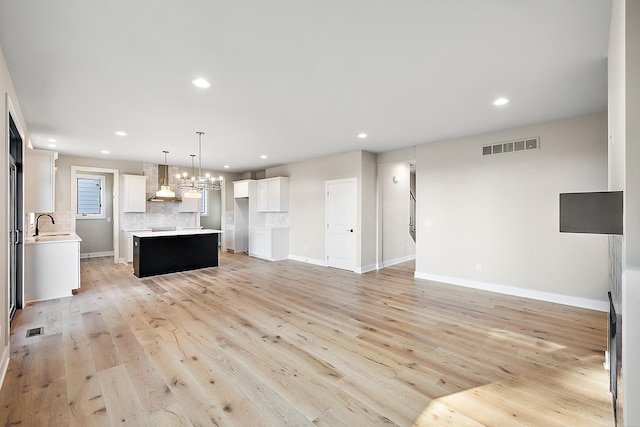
x=12, y=116
x=354, y=182
x=77, y=170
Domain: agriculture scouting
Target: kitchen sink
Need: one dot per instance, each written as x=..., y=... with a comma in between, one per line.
x=48, y=236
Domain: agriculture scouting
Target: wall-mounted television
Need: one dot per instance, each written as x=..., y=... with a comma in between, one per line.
x=593, y=212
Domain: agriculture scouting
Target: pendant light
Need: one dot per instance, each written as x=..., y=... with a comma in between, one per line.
x=192, y=193
x=198, y=183
x=165, y=190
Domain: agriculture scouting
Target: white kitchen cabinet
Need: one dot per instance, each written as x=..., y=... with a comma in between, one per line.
x=241, y=189
x=263, y=195
x=269, y=243
x=273, y=194
x=134, y=196
x=52, y=268
x=188, y=204
x=230, y=237
x=128, y=248
x=40, y=180
x=126, y=243
x=259, y=242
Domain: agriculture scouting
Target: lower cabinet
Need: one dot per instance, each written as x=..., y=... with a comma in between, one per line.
x=269, y=243
x=52, y=270
x=126, y=244
x=230, y=237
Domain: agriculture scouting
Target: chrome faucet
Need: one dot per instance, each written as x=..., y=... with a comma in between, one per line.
x=52, y=221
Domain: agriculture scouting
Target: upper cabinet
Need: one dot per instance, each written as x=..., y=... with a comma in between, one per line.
x=241, y=189
x=134, y=195
x=273, y=194
x=40, y=180
x=188, y=204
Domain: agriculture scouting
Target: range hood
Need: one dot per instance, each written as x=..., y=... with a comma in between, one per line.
x=164, y=194
x=157, y=198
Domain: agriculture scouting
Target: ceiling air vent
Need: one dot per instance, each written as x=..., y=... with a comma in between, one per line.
x=511, y=146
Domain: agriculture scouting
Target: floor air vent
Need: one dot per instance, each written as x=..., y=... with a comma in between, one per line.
x=34, y=332
x=511, y=146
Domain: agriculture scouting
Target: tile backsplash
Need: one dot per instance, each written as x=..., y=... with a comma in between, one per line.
x=62, y=219
x=276, y=219
x=159, y=214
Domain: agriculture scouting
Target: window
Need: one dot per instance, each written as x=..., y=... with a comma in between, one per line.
x=90, y=192
x=203, y=202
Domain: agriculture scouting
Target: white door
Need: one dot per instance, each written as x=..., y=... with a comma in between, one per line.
x=341, y=205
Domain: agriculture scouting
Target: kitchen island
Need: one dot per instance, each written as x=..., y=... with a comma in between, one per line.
x=160, y=252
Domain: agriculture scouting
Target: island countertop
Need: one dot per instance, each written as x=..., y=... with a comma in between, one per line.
x=186, y=232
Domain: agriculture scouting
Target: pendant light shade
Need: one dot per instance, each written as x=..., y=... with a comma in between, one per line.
x=165, y=191
x=192, y=194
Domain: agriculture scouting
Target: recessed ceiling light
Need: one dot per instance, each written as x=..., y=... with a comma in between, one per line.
x=362, y=135
x=121, y=133
x=105, y=152
x=52, y=145
x=202, y=83
x=226, y=166
x=51, y=140
x=263, y=156
x=500, y=101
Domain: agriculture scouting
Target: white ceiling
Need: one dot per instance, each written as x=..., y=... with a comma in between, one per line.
x=296, y=79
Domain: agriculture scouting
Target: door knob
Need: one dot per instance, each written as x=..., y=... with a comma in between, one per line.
x=350, y=230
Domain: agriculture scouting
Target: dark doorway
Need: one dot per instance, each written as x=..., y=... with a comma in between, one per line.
x=16, y=219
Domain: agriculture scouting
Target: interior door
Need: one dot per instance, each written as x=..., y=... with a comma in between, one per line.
x=341, y=214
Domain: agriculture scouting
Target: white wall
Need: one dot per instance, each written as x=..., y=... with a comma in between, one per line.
x=6, y=89
x=367, y=213
x=396, y=156
x=631, y=284
x=492, y=221
x=624, y=174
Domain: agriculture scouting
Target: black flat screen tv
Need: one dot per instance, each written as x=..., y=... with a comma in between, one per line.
x=594, y=212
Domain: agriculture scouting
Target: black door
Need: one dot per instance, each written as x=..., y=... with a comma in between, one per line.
x=16, y=219
x=13, y=237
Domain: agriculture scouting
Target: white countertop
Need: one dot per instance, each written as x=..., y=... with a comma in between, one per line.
x=53, y=237
x=175, y=232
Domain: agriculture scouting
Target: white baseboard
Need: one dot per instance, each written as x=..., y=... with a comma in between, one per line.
x=519, y=292
x=395, y=261
x=366, y=268
x=308, y=260
x=359, y=270
x=96, y=254
x=5, y=365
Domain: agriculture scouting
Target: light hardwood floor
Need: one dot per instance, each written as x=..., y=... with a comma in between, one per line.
x=255, y=343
